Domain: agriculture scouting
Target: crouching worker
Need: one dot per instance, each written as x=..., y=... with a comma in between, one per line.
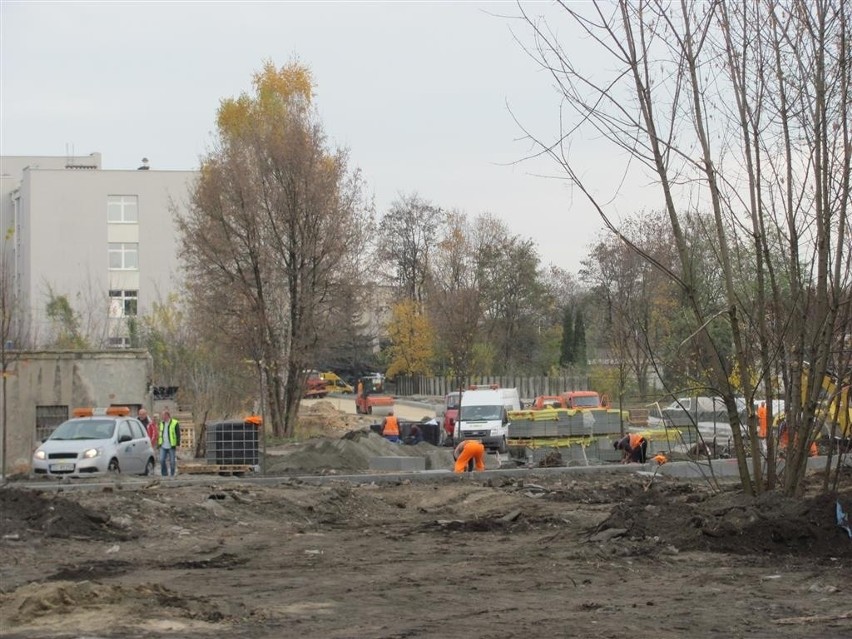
x=415, y=435
x=633, y=448
x=467, y=453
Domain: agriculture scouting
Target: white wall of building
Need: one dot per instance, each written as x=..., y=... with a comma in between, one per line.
x=62, y=239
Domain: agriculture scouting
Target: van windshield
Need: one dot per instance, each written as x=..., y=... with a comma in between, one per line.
x=588, y=400
x=478, y=413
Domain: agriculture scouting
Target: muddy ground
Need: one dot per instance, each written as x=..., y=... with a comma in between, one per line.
x=557, y=555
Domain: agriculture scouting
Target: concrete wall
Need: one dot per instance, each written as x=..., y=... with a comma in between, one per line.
x=70, y=379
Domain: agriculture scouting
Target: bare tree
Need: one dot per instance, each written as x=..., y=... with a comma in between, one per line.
x=273, y=219
x=409, y=232
x=455, y=297
x=630, y=297
x=740, y=109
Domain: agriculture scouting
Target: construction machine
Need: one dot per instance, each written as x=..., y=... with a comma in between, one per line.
x=370, y=397
x=315, y=386
x=834, y=409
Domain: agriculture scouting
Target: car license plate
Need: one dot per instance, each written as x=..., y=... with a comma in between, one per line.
x=61, y=468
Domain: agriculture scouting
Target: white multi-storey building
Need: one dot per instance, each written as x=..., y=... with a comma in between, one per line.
x=104, y=239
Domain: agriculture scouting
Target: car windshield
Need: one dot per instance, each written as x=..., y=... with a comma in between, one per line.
x=85, y=429
x=453, y=400
x=474, y=413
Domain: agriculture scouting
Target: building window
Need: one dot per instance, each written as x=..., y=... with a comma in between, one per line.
x=123, y=209
x=123, y=303
x=119, y=342
x=124, y=256
x=47, y=419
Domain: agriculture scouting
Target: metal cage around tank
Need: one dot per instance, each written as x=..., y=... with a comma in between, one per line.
x=233, y=443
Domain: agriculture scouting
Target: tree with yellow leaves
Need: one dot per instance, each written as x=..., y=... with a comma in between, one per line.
x=412, y=340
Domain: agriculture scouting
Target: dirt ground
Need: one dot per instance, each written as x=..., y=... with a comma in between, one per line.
x=597, y=555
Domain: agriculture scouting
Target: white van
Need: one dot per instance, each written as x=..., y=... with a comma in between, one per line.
x=483, y=415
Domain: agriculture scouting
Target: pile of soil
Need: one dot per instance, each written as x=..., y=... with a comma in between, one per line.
x=24, y=513
x=350, y=453
x=65, y=597
x=323, y=418
x=690, y=518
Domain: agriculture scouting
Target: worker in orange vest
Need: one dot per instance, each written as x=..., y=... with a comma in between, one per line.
x=467, y=453
x=390, y=428
x=634, y=448
x=762, y=417
x=784, y=440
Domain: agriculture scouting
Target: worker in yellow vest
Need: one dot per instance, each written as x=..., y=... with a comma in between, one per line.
x=168, y=439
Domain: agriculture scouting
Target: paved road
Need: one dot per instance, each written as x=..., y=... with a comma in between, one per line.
x=404, y=409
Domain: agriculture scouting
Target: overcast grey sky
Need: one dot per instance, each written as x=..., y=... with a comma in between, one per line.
x=419, y=92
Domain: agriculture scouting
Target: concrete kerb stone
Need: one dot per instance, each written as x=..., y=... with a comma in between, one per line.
x=402, y=464
x=720, y=467
x=686, y=470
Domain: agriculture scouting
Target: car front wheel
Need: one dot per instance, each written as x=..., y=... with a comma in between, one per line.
x=113, y=466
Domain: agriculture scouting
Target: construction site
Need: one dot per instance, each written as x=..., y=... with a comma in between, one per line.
x=323, y=543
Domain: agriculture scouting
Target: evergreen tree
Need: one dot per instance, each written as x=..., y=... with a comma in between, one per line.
x=580, y=355
x=566, y=351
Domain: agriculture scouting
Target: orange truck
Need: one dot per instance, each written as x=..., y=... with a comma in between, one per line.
x=574, y=400
x=583, y=400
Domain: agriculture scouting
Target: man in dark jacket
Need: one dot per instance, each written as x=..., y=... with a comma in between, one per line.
x=634, y=448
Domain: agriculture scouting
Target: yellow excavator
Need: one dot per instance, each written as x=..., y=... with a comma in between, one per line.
x=835, y=399
x=833, y=408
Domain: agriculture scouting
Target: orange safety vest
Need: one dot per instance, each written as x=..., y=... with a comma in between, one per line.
x=762, y=416
x=391, y=426
x=635, y=441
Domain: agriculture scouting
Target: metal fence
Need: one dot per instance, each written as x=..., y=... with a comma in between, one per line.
x=528, y=387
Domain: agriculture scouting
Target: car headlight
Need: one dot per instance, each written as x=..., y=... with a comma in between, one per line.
x=92, y=452
x=40, y=454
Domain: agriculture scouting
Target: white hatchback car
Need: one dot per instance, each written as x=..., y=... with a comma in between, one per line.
x=94, y=445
